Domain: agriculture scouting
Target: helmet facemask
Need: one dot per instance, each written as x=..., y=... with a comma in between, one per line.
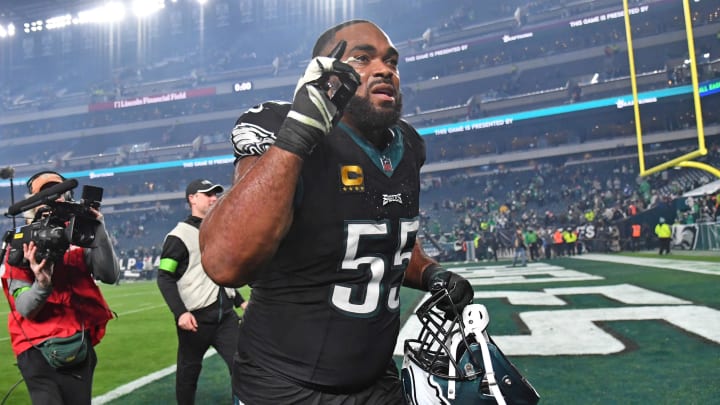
x=454, y=360
x=440, y=342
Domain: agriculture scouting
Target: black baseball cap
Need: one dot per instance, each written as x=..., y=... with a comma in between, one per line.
x=202, y=186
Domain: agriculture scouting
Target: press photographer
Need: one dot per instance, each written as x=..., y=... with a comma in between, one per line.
x=57, y=312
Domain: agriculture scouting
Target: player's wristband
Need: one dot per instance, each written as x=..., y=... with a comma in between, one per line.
x=297, y=138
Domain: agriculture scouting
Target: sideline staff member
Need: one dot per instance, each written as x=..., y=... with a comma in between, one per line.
x=203, y=310
x=323, y=224
x=58, y=300
x=664, y=234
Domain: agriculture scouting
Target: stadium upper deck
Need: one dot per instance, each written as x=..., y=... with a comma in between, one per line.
x=480, y=73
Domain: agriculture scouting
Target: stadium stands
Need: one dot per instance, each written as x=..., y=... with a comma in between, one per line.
x=527, y=110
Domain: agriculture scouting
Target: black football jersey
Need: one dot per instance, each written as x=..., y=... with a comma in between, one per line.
x=325, y=313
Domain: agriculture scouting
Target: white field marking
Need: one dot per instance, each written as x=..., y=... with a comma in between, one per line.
x=502, y=268
x=495, y=275
x=574, y=331
x=533, y=273
x=664, y=263
x=563, y=335
x=141, y=309
x=625, y=293
x=140, y=382
x=552, y=277
x=119, y=314
x=522, y=297
x=130, y=294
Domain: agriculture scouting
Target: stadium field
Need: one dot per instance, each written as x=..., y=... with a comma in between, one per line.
x=594, y=329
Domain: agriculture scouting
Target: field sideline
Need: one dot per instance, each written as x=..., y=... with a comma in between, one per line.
x=607, y=329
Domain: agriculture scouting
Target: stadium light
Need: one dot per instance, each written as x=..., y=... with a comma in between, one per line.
x=33, y=26
x=144, y=8
x=202, y=2
x=110, y=12
x=8, y=31
x=58, y=22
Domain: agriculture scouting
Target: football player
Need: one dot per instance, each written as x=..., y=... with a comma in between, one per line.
x=322, y=221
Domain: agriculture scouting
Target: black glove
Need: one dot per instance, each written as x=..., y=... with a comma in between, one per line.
x=460, y=292
x=313, y=114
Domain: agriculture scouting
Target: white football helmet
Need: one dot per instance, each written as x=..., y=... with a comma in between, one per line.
x=456, y=362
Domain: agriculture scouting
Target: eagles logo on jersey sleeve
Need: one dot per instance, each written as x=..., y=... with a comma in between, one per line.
x=254, y=132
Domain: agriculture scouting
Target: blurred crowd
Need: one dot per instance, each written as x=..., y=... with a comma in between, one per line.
x=569, y=190
x=487, y=205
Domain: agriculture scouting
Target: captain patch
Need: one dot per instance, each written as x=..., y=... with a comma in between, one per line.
x=351, y=178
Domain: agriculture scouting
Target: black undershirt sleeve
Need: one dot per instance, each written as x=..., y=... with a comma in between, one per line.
x=174, y=250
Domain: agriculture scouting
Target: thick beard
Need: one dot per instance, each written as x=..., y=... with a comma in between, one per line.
x=368, y=119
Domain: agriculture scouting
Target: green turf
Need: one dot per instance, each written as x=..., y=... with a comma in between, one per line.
x=213, y=388
x=662, y=365
x=140, y=341
x=703, y=256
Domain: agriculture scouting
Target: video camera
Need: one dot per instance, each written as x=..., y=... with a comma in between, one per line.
x=57, y=225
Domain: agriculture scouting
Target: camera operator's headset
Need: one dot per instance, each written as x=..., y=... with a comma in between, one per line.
x=42, y=180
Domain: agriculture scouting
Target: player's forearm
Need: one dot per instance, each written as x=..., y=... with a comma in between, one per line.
x=419, y=261
x=242, y=231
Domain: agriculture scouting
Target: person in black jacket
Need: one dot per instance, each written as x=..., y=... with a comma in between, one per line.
x=203, y=311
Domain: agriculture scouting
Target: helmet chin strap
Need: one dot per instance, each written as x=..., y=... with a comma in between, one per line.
x=456, y=339
x=476, y=319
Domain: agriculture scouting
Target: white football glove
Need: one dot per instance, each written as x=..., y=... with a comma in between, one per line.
x=313, y=113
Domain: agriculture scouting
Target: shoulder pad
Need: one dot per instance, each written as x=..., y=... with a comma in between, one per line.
x=254, y=132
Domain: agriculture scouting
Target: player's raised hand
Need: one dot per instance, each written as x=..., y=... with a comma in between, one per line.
x=320, y=95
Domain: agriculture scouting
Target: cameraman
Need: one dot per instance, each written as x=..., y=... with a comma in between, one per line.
x=58, y=300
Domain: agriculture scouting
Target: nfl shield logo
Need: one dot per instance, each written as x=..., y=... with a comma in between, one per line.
x=386, y=164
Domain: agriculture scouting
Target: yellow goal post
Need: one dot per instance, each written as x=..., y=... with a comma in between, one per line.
x=686, y=160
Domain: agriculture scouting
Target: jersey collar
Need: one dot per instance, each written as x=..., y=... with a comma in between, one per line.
x=386, y=160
